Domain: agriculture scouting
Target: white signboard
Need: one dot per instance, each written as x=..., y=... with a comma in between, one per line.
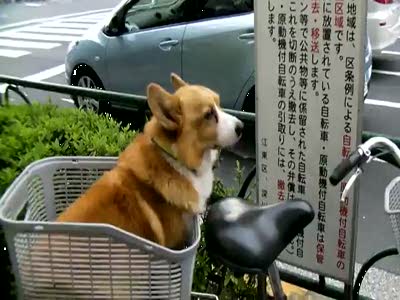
x=310, y=81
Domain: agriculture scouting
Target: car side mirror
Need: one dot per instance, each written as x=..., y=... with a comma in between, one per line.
x=115, y=27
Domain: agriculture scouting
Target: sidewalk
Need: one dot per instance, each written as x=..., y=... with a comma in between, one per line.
x=377, y=284
x=296, y=293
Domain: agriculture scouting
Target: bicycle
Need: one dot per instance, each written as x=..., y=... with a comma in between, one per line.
x=230, y=220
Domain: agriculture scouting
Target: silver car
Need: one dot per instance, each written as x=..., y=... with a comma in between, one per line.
x=205, y=41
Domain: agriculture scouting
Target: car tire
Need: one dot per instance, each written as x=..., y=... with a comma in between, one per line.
x=86, y=77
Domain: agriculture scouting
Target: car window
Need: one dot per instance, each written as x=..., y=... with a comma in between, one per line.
x=220, y=8
x=154, y=13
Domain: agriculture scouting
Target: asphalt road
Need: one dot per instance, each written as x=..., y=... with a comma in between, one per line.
x=381, y=111
x=37, y=9
x=44, y=58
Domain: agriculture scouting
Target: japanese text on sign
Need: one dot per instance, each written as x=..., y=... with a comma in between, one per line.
x=309, y=88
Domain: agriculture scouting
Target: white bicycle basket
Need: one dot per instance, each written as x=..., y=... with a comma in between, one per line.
x=84, y=261
x=392, y=207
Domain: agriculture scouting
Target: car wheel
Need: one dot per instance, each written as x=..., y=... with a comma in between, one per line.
x=87, y=78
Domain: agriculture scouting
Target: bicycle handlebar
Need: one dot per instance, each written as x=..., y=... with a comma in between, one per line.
x=374, y=142
x=355, y=158
x=361, y=155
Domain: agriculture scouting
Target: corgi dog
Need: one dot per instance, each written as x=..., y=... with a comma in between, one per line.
x=166, y=173
x=161, y=179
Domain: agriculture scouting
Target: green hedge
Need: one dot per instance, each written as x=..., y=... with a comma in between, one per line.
x=30, y=133
x=209, y=275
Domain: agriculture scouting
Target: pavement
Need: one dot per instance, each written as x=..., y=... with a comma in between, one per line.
x=33, y=47
x=36, y=51
x=23, y=11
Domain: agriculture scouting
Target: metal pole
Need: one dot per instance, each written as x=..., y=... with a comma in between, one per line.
x=348, y=292
x=262, y=286
x=276, y=284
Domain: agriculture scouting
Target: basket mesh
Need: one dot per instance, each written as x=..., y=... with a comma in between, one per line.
x=87, y=267
x=84, y=265
x=36, y=199
x=392, y=205
x=69, y=183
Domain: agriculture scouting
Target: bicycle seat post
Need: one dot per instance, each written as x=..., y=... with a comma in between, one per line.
x=275, y=282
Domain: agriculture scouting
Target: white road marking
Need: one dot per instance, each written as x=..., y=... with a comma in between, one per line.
x=70, y=101
x=33, y=4
x=384, y=103
x=42, y=20
x=390, y=52
x=27, y=44
x=79, y=20
x=392, y=73
x=89, y=20
x=47, y=35
x=66, y=25
x=13, y=53
x=46, y=74
x=95, y=16
x=37, y=36
x=54, y=30
x=67, y=100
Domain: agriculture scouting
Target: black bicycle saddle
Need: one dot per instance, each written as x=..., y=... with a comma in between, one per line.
x=247, y=237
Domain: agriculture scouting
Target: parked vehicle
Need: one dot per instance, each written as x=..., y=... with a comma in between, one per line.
x=209, y=42
x=383, y=24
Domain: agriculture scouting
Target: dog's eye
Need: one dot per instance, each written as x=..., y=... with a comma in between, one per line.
x=209, y=114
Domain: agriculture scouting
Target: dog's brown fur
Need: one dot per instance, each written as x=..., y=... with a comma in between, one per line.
x=144, y=194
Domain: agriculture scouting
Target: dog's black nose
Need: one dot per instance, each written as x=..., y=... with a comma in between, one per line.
x=239, y=128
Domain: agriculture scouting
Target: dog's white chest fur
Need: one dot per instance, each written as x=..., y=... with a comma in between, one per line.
x=203, y=179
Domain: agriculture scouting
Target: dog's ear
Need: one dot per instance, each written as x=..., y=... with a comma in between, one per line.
x=164, y=106
x=177, y=82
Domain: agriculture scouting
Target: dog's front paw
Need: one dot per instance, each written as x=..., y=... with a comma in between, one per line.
x=196, y=206
x=193, y=207
x=199, y=209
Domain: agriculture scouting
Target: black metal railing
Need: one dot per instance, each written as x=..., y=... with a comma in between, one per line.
x=97, y=94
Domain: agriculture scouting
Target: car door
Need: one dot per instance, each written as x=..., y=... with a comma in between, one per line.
x=148, y=51
x=218, y=48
